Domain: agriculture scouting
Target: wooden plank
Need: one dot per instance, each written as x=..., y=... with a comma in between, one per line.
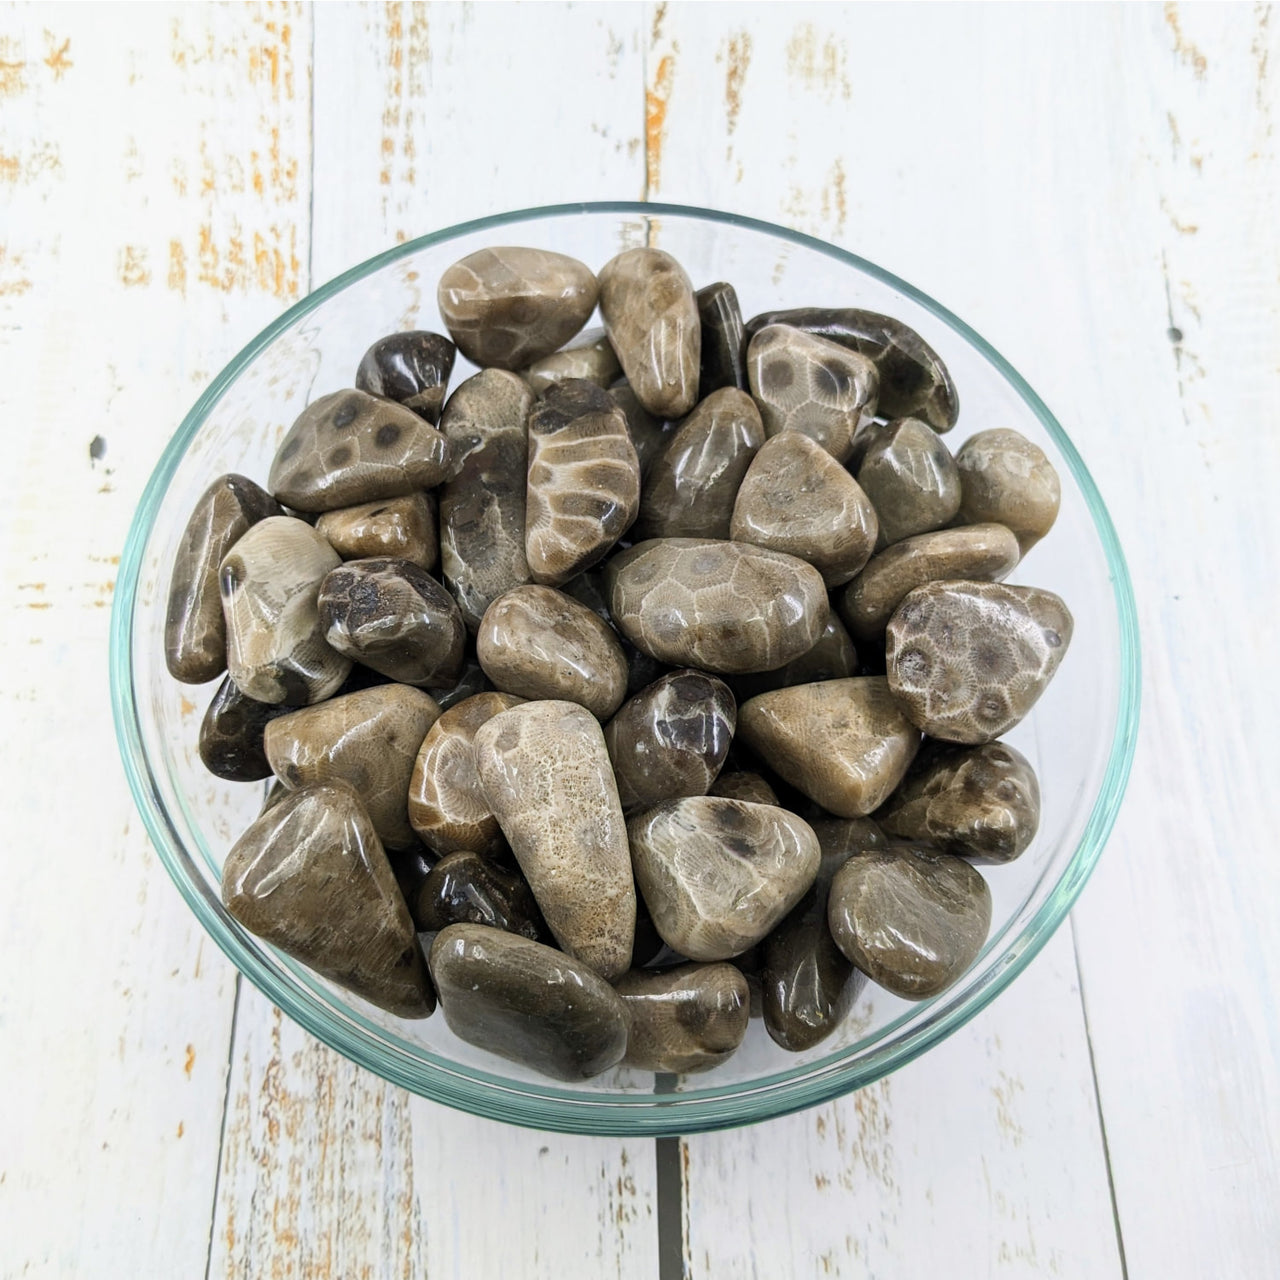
x=326, y=1170
x=152, y=205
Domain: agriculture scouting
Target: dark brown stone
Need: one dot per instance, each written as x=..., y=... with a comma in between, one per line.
x=411, y=368
x=686, y=1019
x=231, y=734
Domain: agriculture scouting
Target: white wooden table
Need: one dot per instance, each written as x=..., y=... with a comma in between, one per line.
x=1096, y=189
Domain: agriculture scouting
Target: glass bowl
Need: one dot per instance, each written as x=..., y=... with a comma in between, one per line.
x=1080, y=737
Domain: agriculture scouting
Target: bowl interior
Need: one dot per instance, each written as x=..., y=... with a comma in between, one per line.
x=1079, y=737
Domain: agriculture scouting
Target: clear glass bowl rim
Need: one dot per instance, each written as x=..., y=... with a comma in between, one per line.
x=549, y=1107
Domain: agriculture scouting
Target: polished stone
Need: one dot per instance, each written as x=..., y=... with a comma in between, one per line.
x=310, y=877
x=651, y=317
x=671, y=739
x=276, y=650
x=911, y=478
x=723, y=361
x=195, y=630
x=717, y=875
x=590, y=358
x=368, y=740
x=1007, y=479
x=527, y=1002
x=411, y=368
x=689, y=1018
x=396, y=618
x=507, y=307
x=807, y=384
x=725, y=607
x=447, y=807
x=912, y=919
x=231, y=732
x=844, y=743
x=967, y=660
x=471, y=681
x=833, y=657
x=467, y=888
x=690, y=486
x=546, y=775
x=742, y=784
x=648, y=432
x=411, y=867
x=404, y=528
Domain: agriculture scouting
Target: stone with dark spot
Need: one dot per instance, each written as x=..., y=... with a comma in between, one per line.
x=401, y=527
x=467, y=888
x=723, y=349
x=689, y=1018
x=411, y=368
x=231, y=734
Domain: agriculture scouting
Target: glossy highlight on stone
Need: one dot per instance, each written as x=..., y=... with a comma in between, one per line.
x=231, y=732
x=689, y=1018
x=909, y=475
x=404, y=528
x=589, y=358
x=648, y=432
x=1006, y=478
x=412, y=368
x=310, y=877
x=723, y=361
x=466, y=888
x=832, y=657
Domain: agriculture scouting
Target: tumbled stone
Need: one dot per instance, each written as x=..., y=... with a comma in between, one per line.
x=913, y=380
x=447, y=807
x=527, y=1002
x=507, y=307
x=726, y=607
x=401, y=527
x=723, y=361
x=912, y=919
x=717, y=875
x=590, y=359
x=369, y=740
x=844, y=743
x=350, y=447
x=911, y=479
x=411, y=368
x=981, y=803
x=686, y=1019
x=396, y=618
x=589, y=588
x=833, y=657
x=797, y=498
x=472, y=681
x=276, y=650
x=1007, y=479
x=466, y=888
x=967, y=660
x=671, y=739
x=651, y=317
x=195, y=630
x=584, y=481
x=975, y=553
x=310, y=877
x=231, y=734
x=482, y=515
x=742, y=784
x=648, y=433
x=546, y=774
x=807, y=984
x=807, y=384
x=537, y=642
x=690, y=486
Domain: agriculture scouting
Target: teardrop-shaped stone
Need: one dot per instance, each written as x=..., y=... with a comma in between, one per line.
x=411, y=368
x=404, y=528
x=1007, y=479
x=396, y=618
x=975, y=553
x=269, y=581
x=527, y=1002
x=723, y=361
x=466, y=888
x=537, y=642
x=833, y=657
x=231, y=734
x=351, y=447
x=590, y=358
x=717, y=875
x=912, y=919
x=742, y=784
x=546, y=774
x=689, y=1018
x=447, y=807
x=911, y=478
x=690, y=487
x=310, y=876
x=913, y=380
x=844, y=743
x=726, y=607
x=584, y=481
x=967, y=660
x=506, y=307
x=671, y=739
x=482, y=512
x=195, y=630
x=369, y=740
x=651, y=317
x=807, y=384
x=648, y=433
x=797, y=498
x=981, y=803
x=807, y=984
